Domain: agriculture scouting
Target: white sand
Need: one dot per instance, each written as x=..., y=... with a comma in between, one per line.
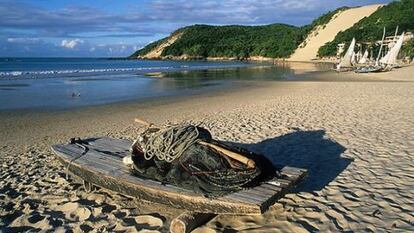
x=340, y=22
x=356, y=139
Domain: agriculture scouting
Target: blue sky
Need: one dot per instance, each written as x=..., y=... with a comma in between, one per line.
x=86, y=28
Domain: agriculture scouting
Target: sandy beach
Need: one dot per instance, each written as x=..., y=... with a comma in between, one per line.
x=355, y=137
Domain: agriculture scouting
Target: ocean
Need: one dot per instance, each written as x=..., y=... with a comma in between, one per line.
x=64, y=83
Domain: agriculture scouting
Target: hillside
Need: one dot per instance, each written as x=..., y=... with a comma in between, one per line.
x=244, y=42
x=343, y=19
x=369, y=29
x=200, y=41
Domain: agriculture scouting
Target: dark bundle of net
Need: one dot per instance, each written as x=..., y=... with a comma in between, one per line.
x=188, y=157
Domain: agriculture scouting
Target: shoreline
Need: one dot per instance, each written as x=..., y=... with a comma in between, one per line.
x=353, y=135
x=302, y=76
x=229, y=59
x=298, y=71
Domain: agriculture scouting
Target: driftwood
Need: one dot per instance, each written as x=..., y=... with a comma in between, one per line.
x=188, y=221
x=233, y=155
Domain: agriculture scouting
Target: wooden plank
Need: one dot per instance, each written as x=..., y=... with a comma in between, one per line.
x=103, y=149
x=66, y=153
x=292, y=172
x=290, y=178
x=122, y=143
x=283, y=183
x=157, y=195
x=102, y=165
x=95, y=156
x=269, y=193
x=271, y=187
x=266, y=191
x=93, y=160
x=239, y=197
x=115, y=149
x=91, y=155
x=86, y=163
x=117, y=145
x=259, y=194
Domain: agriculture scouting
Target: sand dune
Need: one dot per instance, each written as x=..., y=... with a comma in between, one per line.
x=343, y=20
x=355, y=138
x=156, y=52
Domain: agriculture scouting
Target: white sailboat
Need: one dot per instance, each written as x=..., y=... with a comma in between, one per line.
x=392, y=55
x=364, y=58
x=354, y=58
x=358, y=56
x=384, y=59
x=376, y=67
x=389, y=61
x=346, y=61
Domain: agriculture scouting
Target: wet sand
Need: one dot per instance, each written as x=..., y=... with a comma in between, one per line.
x=355, y=137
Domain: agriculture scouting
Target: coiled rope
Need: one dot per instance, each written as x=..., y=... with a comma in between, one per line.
x=170, y=143
x=211, y=173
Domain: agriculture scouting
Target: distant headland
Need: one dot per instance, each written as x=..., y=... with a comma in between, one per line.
x=315, y=41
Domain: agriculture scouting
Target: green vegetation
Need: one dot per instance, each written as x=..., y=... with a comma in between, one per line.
x=408, y=49
x=370, y=29
x=280, y=40
x=274, y=40
x=323, y=19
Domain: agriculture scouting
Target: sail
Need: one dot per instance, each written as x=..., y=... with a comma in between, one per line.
x=364, y=58
x=385, y=58
x=346, y=60
x=353, y=58
x=358, y=56
x=394, y=51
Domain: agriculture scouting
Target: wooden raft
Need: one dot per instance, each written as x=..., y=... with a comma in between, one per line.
x=101, y=165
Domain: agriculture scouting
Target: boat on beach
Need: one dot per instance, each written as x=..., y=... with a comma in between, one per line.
x=387, y=62
x=369, y=69
x=102, y=162
x=348, y=60
x=98, y=162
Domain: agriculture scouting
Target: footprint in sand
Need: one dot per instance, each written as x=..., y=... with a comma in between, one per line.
x=75, y=212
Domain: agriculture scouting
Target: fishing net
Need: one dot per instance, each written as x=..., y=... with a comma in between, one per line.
x=182, y=155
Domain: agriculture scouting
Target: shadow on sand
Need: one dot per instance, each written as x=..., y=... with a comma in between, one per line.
x=311, y=150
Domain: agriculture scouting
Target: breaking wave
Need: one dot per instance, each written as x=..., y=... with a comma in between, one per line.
x=98, y=71
x=53, y=73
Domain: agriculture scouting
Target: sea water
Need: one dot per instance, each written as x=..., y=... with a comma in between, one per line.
x=62, y=83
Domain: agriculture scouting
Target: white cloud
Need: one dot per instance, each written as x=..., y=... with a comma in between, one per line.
x=71, y=44
x=36, y=47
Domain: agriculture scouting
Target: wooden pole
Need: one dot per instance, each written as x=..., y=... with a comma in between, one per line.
x=143, y=122
x=188, y=221
x=380, y=51
x=240, y=158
